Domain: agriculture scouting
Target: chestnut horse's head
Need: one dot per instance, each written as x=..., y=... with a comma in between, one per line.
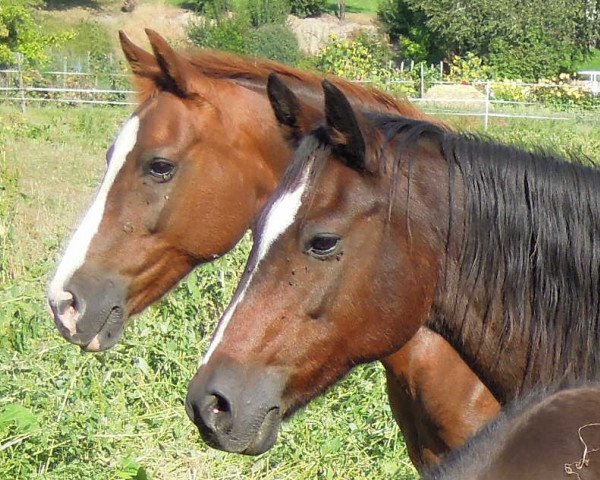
x=338, y=275
x=185, y=176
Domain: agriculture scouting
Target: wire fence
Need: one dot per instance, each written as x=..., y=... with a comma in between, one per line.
x=478, y=99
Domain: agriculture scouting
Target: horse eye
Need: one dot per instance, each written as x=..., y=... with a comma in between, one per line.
x=323, y=245
x=161, y=169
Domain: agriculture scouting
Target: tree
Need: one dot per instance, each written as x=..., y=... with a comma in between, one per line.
x=19, y=33
x=528, y=39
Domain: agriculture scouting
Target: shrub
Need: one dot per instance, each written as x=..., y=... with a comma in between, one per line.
x=276, y=42
x=212, y=8
x=366, y=58
x=557, y=93
x=406, y=25
x=225, y=33
x=20, y=33
x=468, y=68
x=262, y=12
x=308, y=8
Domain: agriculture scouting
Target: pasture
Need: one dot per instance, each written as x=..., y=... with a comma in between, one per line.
x=119, y=415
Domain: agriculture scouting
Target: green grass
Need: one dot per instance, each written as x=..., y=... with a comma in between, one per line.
x=65, y=414
x=355, y=6
x=593, y=62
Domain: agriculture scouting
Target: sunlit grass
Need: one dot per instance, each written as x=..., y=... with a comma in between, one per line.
x=66, y=414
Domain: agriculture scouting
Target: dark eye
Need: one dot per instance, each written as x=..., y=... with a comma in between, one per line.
x=161, y=169
x=323, y=245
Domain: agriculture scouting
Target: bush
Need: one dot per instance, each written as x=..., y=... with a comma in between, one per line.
x=262, y=12
x=224, y=34
x=20, y=33
x=212, y=8
x=558, y=94
x=308, y=8
x=406, y=26
x=468, y=68
x=276, y=42
x=365, y=58
x=235, y=33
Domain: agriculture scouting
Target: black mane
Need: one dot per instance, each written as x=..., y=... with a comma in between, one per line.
x=530, y=247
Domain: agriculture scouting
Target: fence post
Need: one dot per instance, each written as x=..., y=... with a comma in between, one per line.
x=486, y=118
x=21, y=85
x=64, y=76
x=401, y=67
x=422, y=86
x=441, y=70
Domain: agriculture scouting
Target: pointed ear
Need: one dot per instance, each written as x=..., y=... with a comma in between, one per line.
x=343, y=127
x=177, y=70
x=142, y=63
x=285, y=107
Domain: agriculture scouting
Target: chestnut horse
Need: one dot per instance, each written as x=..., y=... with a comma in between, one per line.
x=381, y=225
x=186, y=177
x=548, y=435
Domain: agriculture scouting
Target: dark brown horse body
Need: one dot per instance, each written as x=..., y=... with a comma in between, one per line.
x=186, y=177
x=546, y=436
x=382, y=225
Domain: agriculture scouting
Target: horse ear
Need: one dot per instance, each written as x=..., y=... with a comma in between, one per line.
x=343, y=127
x=175, y=68
x=142, y=63
x=285, y=107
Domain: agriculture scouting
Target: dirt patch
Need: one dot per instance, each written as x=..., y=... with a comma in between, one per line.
x=169, y=21
x=313, y=33
x=455, y=97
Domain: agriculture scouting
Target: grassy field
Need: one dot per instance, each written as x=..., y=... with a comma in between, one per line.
x=593, y=62
x=355, y=6
x=65, y=414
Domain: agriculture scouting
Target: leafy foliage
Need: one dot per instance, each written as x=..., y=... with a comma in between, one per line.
x=20, y=33
x=308, y=8
x=263, y=12
x=226, y=33
x=468, y=68
x=408, y=28
x=525, y=40
x=365, y=58
x=238, y=32
x=276, y=42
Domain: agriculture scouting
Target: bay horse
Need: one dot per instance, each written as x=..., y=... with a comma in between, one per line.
x=548, y=435
x=185, y=178
x=384, y=224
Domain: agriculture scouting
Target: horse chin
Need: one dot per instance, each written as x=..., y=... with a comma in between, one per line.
x=265, y=437
x=245, y=440
x=110, y=332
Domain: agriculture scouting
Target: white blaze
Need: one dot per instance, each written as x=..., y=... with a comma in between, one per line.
x=280, y=216
x=77, y=248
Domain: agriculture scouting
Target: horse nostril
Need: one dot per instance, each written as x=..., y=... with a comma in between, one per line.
x=65, y=307
x=217, y=413
x=219, y=404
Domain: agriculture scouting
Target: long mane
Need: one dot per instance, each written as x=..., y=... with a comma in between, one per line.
x=529, y=248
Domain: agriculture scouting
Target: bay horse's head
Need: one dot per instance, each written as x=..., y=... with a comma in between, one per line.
x=327, y=247
x=184, y=178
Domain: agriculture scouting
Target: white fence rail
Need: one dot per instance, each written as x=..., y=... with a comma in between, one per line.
x=69, y=88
